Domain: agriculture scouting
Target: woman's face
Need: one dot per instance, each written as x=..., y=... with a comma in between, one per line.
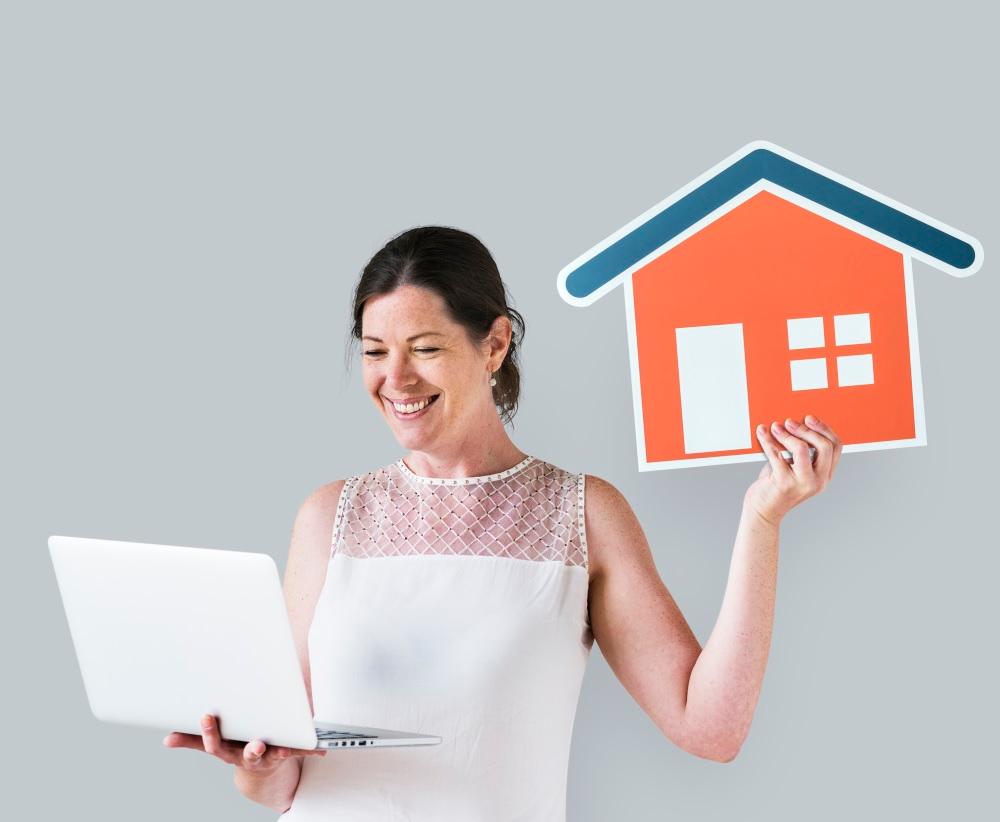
x=413, y=352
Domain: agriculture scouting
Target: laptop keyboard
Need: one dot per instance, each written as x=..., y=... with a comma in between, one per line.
x=322, y=733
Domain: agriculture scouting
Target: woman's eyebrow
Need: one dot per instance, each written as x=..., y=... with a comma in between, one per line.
x=410, y=339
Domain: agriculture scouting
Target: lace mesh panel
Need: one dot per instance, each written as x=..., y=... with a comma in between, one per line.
x=533, y=511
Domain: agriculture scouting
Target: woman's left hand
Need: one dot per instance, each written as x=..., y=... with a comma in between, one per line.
x=780, y=486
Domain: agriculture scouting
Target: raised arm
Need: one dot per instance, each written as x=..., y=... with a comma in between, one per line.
x=701, y=699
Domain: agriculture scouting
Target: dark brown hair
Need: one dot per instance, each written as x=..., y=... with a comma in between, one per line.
x=456, y=266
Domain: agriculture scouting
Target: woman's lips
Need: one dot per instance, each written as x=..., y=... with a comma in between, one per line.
x=416, y=414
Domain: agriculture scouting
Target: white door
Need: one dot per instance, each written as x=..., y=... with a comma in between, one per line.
x=715, y=407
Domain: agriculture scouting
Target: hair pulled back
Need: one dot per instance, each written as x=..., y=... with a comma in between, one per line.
x=456, y=266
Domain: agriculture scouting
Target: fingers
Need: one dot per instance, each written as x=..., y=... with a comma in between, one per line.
x=824, y=448
x=210, y=741
x=255, y=755
x=818, y=425
x=182, y=740
x=801, y=464
x=258, y=757
x=772, y=448
x=796, y=437
x=215, y=744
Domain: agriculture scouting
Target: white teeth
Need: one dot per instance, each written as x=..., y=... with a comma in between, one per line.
x=411, y=407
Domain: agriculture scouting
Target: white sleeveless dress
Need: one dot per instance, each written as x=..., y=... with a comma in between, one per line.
x=453, y=607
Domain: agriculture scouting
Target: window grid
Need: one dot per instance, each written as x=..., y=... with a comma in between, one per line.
x=810, y=373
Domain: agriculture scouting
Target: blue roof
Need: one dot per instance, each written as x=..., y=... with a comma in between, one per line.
x=764, y=164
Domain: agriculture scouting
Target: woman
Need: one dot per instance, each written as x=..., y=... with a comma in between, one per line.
x=467, y=582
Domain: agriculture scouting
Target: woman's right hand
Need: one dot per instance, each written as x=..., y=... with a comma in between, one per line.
x=254, y=756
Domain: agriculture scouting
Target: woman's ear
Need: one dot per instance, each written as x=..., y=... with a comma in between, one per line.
x=499, y=339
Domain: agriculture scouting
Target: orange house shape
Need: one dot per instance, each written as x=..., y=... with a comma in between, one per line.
x=770, y=287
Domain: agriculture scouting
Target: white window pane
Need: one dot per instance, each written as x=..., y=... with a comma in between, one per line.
x=806, y=332
x=855, y=370
x=808, y=374
x=852, y=329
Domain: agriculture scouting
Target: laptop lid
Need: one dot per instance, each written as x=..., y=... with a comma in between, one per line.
x=165, y=634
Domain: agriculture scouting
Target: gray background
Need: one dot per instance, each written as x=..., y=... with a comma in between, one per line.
x=188, y=193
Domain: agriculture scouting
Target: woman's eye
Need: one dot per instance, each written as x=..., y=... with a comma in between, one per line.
x=374, y=353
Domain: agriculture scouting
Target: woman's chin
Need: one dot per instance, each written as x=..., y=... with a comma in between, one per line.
x=409, y=437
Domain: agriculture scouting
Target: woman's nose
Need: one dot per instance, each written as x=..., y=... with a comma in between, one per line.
x=399, y=372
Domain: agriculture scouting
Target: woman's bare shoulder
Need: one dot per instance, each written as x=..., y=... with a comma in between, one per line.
x=609, y=522
x=314, y=522
x=325, y=496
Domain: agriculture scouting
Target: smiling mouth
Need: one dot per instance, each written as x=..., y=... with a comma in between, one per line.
x=412, y=399
x=413, y=414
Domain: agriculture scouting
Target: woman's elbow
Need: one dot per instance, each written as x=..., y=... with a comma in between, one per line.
x=723, y=751
x=715, y=745
x=729, y=755
x=723, y=755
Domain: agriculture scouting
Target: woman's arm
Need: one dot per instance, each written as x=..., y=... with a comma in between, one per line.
x=305, y=573
x=726, y=679
x=702, y=699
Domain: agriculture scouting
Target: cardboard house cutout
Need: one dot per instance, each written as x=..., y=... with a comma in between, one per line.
x=769, y=287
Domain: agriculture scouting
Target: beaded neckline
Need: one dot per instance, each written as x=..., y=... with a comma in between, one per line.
x=463, y=480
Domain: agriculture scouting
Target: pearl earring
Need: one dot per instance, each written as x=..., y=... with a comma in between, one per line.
x=493, y=380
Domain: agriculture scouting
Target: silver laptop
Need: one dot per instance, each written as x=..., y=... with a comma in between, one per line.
x=165, y=634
